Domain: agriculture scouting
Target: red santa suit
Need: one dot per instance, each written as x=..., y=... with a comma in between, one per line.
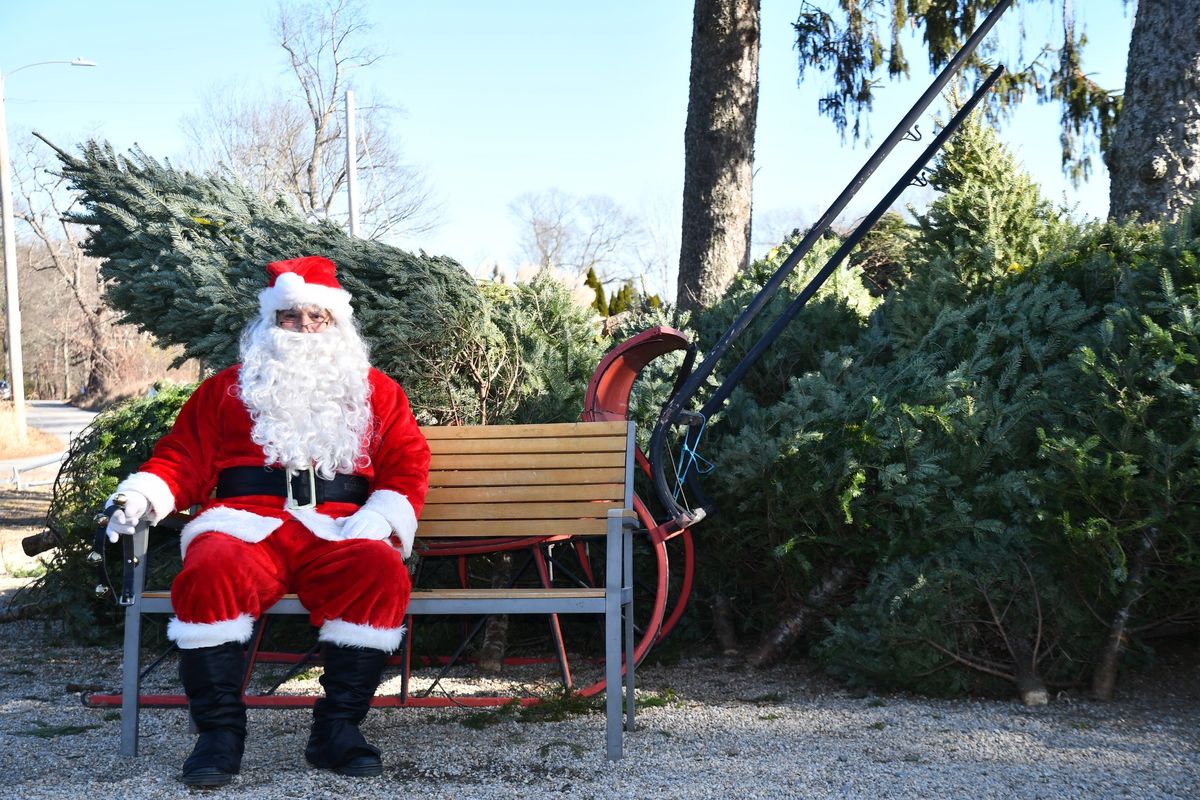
x=242, y=552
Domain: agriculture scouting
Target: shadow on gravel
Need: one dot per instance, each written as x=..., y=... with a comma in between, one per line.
x=23, y=509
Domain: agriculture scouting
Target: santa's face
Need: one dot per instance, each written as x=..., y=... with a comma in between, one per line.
x=304, y=319
x=305, y=386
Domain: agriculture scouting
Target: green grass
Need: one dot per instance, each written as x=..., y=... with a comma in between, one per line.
x=43, y=730
x=575, y=748
x=666, y=697
x=766, y=699
x=34, y=570
x=554, y=707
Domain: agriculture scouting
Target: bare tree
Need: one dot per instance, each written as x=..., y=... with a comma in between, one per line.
x=294, y=146
x=72, y=340
x=580, y=233
x=659, y=253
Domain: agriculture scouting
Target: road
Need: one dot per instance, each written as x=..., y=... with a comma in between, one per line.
x=57, y=418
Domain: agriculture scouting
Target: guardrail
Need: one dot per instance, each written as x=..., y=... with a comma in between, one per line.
x=20, y=483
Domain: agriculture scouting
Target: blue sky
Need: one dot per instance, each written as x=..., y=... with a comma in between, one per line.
x=500, y=99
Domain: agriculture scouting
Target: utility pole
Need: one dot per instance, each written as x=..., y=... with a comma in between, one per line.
x=16, y=373
x=16, y=369
x=352, y=163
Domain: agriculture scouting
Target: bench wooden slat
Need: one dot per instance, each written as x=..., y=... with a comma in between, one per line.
x=523, y=461
x=551, y=430
x=590, y=444
x=522, y=494
x=531, y=477
x=440, y=529
x=517, y=511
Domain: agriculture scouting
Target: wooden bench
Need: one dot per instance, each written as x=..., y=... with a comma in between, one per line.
x=489, y=481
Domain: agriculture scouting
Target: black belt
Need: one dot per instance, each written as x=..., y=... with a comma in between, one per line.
x=242, y=481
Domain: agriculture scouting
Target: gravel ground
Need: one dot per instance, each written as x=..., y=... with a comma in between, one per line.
x=706, y=729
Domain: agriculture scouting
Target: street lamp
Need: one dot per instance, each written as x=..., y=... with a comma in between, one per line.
x=16, y=373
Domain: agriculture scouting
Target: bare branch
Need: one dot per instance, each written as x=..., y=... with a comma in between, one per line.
x=288, y=145
x=973, y=663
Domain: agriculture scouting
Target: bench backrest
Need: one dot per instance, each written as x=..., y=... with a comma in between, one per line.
x=527, y=480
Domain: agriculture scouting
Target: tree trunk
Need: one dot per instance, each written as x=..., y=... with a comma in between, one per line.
x=1154, y=159
x=723, y=625
x=495, y=631
x=1104, y=679
x=796, y=623
x=718, y=149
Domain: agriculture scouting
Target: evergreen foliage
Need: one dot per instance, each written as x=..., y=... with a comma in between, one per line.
x=882, y=255
x=550, y=344
x=833, y=316
x=627, y=298
x=114, y=445
x=858, y=43
x=988, y=446
x=601, y=302
x=938, y=624
x=184, y=259
x=1125, y=458
x=623, y=300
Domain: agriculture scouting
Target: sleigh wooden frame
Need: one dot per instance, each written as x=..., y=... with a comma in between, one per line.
x=517, y=484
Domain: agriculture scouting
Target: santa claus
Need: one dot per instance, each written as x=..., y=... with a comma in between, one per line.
x=309, y=471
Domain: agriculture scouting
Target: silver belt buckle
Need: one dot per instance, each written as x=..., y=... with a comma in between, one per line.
x=312, y=490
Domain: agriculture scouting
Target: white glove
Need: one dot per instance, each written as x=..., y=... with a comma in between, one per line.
x=365, y=524
x=125, y=520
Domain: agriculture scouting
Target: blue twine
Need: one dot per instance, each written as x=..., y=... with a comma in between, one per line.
x=690, y=457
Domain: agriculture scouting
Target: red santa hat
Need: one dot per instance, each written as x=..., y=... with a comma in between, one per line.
x=306, y=281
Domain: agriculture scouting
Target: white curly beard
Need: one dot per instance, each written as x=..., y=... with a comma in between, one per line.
x=308, y=396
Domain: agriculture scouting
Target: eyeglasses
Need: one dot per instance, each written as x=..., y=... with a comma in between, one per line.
x=301, y=320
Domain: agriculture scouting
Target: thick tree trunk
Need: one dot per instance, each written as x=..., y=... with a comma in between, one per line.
x=1154, y=160
x=1104, y=679
x=718, y=149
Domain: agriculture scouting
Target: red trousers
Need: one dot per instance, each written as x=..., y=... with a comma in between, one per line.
x=355, y=590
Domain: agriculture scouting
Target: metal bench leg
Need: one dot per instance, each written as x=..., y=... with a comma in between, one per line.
x=612, y=637
x=630, y=655
x=131, y=666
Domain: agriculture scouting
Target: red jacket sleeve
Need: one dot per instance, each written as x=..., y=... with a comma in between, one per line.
x=400, y=453
x=182, y=469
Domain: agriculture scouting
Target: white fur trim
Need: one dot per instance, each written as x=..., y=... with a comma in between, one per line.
x=244, y=525
x=291, y=291
x=395, y=508
x=162, y=499
x=351, y=634
x=191, y=635
x=321, y=525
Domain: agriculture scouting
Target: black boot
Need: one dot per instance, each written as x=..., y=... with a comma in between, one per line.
x=351, y=677
x=212, y=679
